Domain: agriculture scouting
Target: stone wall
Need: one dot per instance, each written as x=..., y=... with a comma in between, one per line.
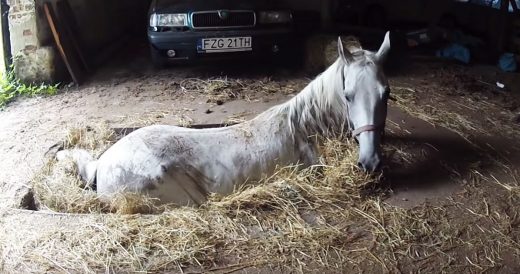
x=33, y=58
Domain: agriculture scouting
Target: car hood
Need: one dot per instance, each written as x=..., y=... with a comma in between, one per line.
x=167, y=6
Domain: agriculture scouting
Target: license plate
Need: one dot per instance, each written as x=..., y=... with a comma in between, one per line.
x=227, y=44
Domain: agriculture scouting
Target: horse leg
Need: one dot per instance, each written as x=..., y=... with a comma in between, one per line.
x=308, y=154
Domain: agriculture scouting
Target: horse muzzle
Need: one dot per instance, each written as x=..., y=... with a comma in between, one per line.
x=371, y=165
x=369, y=154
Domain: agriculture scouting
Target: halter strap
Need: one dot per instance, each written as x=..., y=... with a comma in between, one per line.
x=362, y=129
x=359, y=130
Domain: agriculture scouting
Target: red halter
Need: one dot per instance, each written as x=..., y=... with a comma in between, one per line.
x=362, y=129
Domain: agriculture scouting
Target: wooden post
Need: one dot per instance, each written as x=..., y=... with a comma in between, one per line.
x=63, y=44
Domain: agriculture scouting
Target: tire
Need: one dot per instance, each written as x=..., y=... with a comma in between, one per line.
x=158, y=61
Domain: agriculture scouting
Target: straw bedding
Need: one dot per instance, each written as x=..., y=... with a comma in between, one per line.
x=289, y=213
x=458, y=100
x=219, y=90
x=330, y=217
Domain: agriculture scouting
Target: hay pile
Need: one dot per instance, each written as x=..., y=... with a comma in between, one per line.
x=59, y=189
x=330, y=217
x=289, y=214
x=322, y=50
x=223, y=89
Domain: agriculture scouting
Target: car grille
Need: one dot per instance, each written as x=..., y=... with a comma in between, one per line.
x=212, y=19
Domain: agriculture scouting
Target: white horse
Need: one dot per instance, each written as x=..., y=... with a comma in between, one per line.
x=182, y=165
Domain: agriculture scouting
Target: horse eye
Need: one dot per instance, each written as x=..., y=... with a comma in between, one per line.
x=349, y=96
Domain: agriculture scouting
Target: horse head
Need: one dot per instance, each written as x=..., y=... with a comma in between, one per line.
x=366, y=91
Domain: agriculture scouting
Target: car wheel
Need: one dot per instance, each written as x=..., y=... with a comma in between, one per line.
x=157, y=60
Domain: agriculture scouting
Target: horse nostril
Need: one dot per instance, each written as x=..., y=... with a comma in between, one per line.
x=370, y=168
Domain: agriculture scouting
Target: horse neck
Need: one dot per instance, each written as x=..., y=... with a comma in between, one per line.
x=319, y=108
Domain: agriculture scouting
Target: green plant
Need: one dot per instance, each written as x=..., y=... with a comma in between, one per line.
x=10, y=87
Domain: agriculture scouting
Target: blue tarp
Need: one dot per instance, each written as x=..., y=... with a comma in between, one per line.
x=455, y=51
x=507, y=62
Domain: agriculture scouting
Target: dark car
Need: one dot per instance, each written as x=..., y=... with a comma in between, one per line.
x=185, y=30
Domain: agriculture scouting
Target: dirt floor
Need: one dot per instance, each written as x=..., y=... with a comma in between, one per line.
x=451, y=140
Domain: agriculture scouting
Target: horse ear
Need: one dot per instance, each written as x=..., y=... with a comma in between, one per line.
x=344, y=54
x=384, y=49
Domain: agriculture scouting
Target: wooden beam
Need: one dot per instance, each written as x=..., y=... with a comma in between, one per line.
x=64, y=45
x=66, y=16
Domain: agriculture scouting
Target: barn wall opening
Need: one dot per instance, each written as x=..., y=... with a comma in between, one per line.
x=100, y=30
x=97, y=29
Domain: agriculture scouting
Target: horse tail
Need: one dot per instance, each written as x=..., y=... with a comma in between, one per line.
x=87, y=166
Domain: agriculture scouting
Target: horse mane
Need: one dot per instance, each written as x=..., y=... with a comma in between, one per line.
x=321, y=107
x=318, y=108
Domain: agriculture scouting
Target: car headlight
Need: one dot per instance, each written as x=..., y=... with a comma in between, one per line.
x=274, y=17
x=169, y=20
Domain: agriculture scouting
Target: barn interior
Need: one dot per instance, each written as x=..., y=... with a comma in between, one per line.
x=92, y=33
x=78, y=74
